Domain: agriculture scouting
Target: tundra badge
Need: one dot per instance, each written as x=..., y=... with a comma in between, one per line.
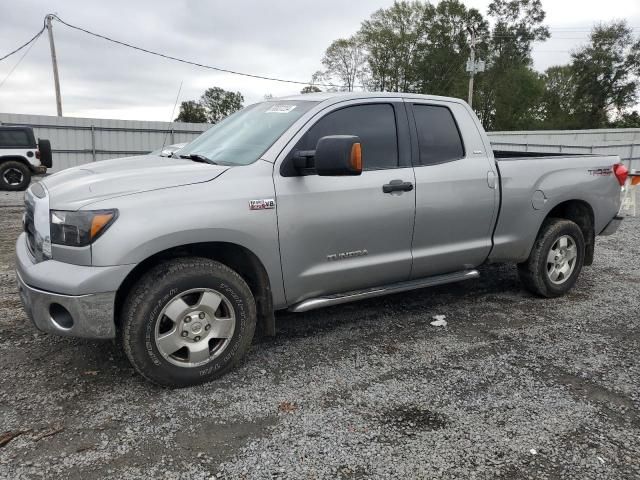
x=345, y=255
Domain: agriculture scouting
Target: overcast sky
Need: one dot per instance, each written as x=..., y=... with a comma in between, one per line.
x=275, y=38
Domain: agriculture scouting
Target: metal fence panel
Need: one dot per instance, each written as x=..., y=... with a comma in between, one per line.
x=624, y=142
x=76, y=141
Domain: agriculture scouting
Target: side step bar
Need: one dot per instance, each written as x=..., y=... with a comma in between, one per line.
x=337, y=299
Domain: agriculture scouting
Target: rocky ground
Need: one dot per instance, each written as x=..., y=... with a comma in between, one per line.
x=513, y=387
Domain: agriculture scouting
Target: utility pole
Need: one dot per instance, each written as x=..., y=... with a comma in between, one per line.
x=54, y=62
x=473, y=66
x=472, y=61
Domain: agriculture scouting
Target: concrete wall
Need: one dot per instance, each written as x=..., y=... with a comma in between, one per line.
x=76, y=141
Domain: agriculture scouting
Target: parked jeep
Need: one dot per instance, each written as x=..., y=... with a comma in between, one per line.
x=21, y=156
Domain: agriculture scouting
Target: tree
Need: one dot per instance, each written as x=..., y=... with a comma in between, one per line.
x=392, y=38
x=191, y=111
x=345, y=61
x=518, y=23
x=606, y=74
x=510, y=90
x=444, y=50
x=627, y=120
x=219, y=103
x=559, y=101
x=310, y=89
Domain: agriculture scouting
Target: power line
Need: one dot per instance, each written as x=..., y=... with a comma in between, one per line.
x=26, y=52
x=188, y=62
x=33, y=39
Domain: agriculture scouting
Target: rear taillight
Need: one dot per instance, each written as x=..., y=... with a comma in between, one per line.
x=38, y=154
x=621, y=172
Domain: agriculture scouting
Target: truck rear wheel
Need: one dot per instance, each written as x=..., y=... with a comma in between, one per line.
x=555, y=260
x=14, y=176
x=188, y=321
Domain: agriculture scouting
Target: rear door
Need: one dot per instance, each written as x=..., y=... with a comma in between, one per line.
x=344, y=233
x=456, y=189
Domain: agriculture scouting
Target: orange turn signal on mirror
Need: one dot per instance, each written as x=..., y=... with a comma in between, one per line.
x=98, y=222
x=356, y=157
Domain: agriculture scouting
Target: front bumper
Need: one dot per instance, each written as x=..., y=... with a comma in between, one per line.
x=67, y=299
x=88, y=316
x=612, y=226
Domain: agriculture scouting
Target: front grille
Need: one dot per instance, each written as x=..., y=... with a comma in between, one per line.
x=29, y=225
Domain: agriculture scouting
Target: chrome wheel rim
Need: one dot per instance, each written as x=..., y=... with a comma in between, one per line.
x=561, y=260
x=13, y=176
x=195, y=327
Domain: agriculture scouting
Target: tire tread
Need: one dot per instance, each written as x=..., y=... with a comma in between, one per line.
x=150, y=284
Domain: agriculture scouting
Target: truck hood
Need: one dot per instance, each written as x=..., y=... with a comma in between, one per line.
x=76, y=187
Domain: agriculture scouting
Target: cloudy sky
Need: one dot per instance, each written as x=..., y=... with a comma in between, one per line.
x=277, y=38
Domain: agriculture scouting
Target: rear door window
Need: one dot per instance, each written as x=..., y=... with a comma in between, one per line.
x=14, y=138
x=439, y=139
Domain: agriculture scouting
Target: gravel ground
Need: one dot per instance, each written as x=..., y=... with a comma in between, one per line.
x=513, y=387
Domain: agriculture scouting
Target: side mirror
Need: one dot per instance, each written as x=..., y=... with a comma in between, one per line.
x=338, y=155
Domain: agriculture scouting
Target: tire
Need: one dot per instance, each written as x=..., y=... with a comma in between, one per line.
x=553, y=274
x=46, y=157
x=203, y=355
x=14, y=176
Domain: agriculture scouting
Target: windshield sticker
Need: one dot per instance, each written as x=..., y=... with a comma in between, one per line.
x=280, y=108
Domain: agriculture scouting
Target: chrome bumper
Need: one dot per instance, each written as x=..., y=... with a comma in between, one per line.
x=612, y=226
x=88, y=316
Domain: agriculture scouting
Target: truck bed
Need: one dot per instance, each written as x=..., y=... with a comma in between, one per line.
x=533, y=182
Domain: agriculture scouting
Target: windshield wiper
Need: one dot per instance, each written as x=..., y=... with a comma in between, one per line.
x=196, y=157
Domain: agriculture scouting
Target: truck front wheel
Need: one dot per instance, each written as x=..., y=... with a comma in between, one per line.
x=555, y=260
x=188, y=321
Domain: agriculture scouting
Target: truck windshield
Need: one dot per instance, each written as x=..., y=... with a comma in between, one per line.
x=241, y=138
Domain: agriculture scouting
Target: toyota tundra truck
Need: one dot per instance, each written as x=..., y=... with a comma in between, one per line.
x=298, y=203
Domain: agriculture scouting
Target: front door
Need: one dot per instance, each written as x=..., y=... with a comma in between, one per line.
x=342, y=233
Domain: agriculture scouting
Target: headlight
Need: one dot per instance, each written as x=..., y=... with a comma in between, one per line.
x=80, y=228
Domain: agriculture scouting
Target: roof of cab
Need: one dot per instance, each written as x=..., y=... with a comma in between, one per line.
x=324, y=96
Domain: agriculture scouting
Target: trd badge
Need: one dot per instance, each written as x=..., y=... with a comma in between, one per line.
x=264, y=204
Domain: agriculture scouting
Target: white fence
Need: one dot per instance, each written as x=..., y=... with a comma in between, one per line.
x=76, y=141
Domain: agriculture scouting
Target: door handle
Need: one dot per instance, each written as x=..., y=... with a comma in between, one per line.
x=491, y=179
x=397, y=186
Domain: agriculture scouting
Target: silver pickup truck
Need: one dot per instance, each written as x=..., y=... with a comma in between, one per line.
x=298, y=203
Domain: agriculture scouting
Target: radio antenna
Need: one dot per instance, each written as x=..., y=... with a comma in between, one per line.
x=173, y=112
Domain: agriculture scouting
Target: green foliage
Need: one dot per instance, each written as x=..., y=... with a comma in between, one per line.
x=192, y=111
x=392, y=38
x=310, y=89
x=559, y=98
x=511, y=91
x=606, y=74
x=627, y=120
x=414, y=46
x=219, y=103
x=345, y=62
x=214, y=104
x=444, y=48
x=518, y=23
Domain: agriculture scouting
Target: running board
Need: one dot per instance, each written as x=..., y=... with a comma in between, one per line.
x=337, y=299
